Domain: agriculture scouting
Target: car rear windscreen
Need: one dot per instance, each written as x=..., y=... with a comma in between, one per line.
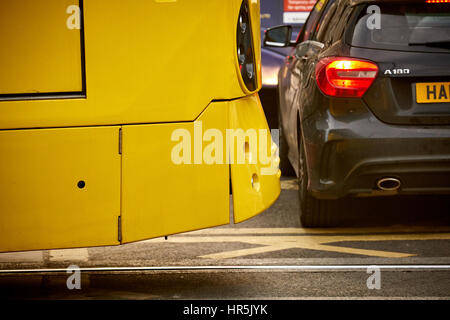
x=415, y=26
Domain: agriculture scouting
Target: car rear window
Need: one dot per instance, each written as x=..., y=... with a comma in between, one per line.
x=408, y=27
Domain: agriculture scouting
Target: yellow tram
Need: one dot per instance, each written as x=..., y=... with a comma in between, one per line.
x=119, y=120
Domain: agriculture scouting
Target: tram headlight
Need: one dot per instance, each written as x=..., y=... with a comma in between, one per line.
x=245, y=50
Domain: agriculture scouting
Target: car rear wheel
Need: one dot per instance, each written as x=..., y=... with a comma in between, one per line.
x=285, y=165
x=313, y=212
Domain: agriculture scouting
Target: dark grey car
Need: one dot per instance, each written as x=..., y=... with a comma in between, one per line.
x=365, y=102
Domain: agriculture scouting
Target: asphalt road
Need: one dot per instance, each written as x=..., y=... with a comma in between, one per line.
x=268, y=257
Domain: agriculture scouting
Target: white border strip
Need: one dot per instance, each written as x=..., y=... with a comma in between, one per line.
x=191, y=268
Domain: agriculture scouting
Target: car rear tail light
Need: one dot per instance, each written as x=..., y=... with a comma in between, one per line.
x=438, y=1
x=245, y=50
x=345, y=77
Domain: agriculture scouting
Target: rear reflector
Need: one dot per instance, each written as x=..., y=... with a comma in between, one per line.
x=345, y=77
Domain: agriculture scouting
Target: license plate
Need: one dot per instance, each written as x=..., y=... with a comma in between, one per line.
x=433, y=92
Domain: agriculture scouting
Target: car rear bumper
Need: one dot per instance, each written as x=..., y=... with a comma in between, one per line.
x=349, y=158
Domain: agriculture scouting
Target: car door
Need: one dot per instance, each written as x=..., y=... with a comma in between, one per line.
x=322, y=33
x=291, y=81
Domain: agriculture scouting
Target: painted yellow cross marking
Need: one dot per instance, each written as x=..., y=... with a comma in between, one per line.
x=269, y=240
x=80, y=254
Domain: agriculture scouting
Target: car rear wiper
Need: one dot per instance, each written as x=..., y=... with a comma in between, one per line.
x=438, y=44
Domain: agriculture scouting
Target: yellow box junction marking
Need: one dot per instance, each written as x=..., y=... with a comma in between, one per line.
x=312, y=239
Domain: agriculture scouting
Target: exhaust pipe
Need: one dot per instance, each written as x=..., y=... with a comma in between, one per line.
x=389, y=184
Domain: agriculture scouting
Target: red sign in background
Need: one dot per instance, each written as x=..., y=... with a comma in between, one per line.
x=298, y=5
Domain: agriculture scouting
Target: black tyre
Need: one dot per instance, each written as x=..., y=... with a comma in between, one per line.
x=285, y=165
x=314, y=212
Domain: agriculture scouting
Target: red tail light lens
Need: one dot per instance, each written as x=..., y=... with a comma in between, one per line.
x=345, y=77
x=438, y=1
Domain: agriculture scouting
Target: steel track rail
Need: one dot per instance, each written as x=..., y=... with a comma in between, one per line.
x=208, y=268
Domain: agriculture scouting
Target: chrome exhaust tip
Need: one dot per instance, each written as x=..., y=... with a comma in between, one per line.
x=389, y=184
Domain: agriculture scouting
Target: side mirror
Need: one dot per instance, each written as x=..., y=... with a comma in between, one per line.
x=308, y=49
x=278, y=37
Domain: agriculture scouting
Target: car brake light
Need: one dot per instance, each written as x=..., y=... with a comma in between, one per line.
x=438, y=1
x=345, y=77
